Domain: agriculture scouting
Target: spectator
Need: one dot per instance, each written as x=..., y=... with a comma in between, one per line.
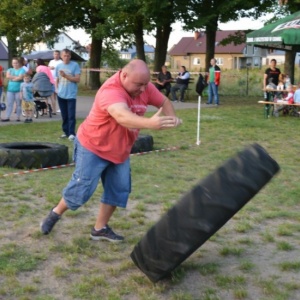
x=41, y=67
x=15, y=77
x=213, y=80
x=182, y=82
x=271, y=75
x=25, y=65
x=163, y=81
x=1, y=80
x=52, y=65
x=104, y=142
x=297, y=95
x=67, y=78
x=26, y=94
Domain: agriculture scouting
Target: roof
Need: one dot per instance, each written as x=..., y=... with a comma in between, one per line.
x=132, y=49
x=190, y=45
x=3, y=51
x=48, y=55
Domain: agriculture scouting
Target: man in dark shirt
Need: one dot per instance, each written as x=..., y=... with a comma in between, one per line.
x=163, y=80
x=271, y=76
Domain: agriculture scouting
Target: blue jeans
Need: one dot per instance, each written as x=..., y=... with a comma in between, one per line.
x=68, y=114
x=89, y=168
x=213, y=92
x=13, y=97
x=175, y=88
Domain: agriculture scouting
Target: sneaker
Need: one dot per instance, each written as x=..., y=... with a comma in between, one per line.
x=58, y=111
x=106, y=233
x=30, y=120
x=63, y=136
x=71, y=137
x=48, y=224
x=5, y=120
x=26, y=121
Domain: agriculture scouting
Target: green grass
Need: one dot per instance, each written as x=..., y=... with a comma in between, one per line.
x=253, y=256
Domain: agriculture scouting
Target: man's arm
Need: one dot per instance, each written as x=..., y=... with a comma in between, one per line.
x=75, y=78
x=185, y=76
x=122, y=114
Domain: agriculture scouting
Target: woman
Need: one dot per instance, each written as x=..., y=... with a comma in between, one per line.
x=15, y=78
x=41, y=67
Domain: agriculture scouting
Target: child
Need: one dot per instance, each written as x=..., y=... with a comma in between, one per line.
x=281, y=82
x=26, y=94
x=290, y=97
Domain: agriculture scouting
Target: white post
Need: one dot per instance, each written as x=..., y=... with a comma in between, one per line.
x=198, y=124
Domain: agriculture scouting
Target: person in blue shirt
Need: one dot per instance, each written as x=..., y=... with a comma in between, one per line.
x=26, y=94
x=67, y=79
x=297, y=95
x=15, y=78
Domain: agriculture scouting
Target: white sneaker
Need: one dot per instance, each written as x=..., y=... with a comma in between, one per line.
x=58, y=111
x=63, y=136
x=71, y=137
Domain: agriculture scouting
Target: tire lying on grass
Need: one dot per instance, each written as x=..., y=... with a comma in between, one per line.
x=26, y=155
x=144, y=143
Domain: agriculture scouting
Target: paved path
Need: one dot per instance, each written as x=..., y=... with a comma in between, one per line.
x=84, y=105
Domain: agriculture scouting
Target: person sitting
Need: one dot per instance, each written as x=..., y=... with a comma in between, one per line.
x=281, y=82
x=163, y=80
x=289, y=99
x=182, y=82
x=297, y=95
x=290, y=96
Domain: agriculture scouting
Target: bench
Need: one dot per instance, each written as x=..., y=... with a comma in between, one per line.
x=294, y=109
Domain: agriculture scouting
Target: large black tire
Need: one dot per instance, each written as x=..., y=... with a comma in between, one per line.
x=33, y=155
x=203, y=211
x=144, y=143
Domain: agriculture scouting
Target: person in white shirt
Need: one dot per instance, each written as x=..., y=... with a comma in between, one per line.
x=182, y=82
x=52, y=65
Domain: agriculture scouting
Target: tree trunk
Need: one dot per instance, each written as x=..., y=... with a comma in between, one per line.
x=12, y=48
x=161, y=48
x=211, y=30
x=95, y=63
x=139, y=40
x=289, y=64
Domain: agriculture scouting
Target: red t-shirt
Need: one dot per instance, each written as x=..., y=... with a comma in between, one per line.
x=1, y=70
x=101, y=134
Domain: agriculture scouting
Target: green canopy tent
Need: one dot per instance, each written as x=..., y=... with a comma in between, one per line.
x=283, y=34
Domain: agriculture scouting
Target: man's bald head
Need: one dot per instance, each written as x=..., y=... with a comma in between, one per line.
x=135, y=76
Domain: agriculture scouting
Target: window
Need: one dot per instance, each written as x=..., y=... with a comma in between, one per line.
x=196, y=61
x=219, y=60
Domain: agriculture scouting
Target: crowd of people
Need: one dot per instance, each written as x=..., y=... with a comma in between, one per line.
x=62, y=74
x=164, y=80
x=278, y=88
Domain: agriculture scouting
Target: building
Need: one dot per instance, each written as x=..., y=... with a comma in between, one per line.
x=3, y=56
x=191, y=52
x=130, y=53
x=64, y=41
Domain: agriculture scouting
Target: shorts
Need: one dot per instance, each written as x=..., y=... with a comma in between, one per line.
x=89, y=169
x=27, y=105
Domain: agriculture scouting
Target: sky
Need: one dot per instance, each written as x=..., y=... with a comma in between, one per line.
x=177, y=32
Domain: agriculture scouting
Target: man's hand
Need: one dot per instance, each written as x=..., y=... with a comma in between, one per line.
x=164, y=122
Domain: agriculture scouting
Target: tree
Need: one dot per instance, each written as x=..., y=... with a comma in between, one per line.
x=206, y=14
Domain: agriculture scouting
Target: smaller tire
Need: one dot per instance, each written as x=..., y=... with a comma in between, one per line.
x=144, y=143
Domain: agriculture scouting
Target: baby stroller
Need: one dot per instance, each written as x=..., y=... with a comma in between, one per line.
x=42, y=89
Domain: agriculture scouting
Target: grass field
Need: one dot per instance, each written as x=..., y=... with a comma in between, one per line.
x=254, y=256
